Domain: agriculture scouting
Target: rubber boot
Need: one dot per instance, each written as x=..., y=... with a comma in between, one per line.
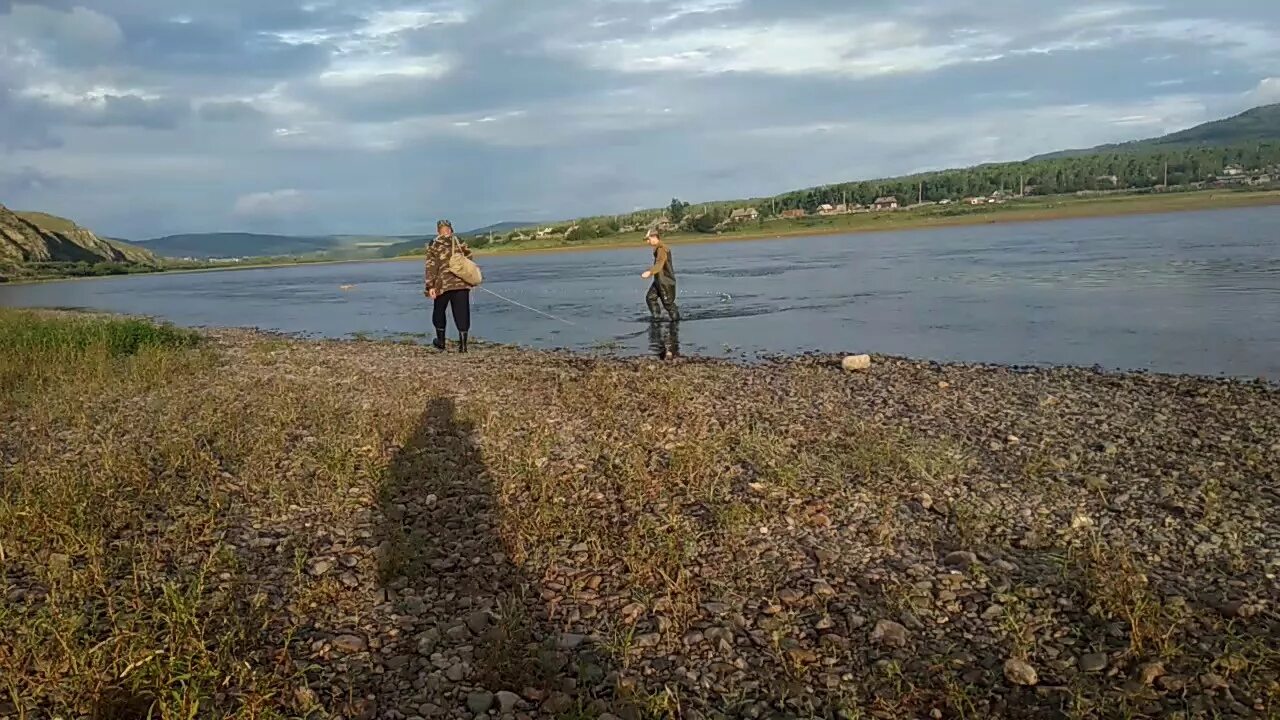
x=439, y=341
x=462, y=342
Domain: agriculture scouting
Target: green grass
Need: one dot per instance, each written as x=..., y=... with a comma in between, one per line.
x=31, y=333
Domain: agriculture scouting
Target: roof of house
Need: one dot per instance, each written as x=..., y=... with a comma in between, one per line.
x=886, y=199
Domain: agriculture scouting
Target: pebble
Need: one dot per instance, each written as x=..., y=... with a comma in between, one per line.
x=319, y=567
x=888, y=632
x=570, y=641
x=480, y=702
x=852, y=363
x=507, y=701
x=350, y=643
x=1019, y=672
x=959, y=560
x=822, y=589
x=1093, y=662
x=1150, y=672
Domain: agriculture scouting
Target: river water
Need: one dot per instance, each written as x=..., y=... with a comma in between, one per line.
x=1189, y=293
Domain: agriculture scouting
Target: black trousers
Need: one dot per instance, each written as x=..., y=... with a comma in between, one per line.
x=662, y=295
x=460, y=301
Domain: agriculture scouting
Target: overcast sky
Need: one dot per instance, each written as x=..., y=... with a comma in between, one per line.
x=147, y=117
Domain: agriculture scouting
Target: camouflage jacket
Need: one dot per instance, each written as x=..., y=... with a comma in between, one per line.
x=437, y=273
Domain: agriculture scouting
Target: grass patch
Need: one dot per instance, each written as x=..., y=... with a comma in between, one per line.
x=37, y=335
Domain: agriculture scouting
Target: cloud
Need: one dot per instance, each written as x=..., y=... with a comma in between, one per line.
x=273, y=205
x=395, y=110
x=1267, y=92
x=228, y=111
x=77, y=34
x=18, y=182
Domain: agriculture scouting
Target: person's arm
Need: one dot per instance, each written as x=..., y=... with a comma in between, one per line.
x=464, y=249
x=434, y=268
x=660, y=262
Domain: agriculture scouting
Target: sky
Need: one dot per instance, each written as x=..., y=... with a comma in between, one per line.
x=141, y=118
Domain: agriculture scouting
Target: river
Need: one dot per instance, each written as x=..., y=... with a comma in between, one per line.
x=1185, y=293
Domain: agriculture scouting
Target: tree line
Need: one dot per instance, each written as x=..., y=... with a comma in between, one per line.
x=1107, y=171
x=1050, y=176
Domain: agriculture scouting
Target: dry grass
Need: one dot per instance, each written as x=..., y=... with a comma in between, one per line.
x=163, y=502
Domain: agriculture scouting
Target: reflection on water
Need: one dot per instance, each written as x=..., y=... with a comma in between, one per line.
x=1195, y=292
x=664, y=339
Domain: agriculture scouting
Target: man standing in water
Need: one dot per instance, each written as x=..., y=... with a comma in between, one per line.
x=663, y=273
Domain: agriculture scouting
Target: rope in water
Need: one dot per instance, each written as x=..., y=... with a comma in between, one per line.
x=526, y=307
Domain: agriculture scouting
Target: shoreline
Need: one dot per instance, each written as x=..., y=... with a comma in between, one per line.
x=1071, y=208
x=547, y=534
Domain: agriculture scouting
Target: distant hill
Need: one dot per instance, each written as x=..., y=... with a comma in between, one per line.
x=34, y=237
x=228, y=245
x=502, y=227
x=1261, y=124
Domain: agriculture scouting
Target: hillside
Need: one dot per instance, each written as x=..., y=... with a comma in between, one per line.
x=1260, y=124
x=31, y=237
x=502, y=227
x=233, y=244
x=206, y=246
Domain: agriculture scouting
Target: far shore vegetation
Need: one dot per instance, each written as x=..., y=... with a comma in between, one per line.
x=1030, y=209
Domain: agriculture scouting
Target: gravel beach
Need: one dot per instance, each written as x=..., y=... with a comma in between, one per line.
x=275, y=527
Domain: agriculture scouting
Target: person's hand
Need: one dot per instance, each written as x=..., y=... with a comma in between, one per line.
x=646, y=274
x=433, y=293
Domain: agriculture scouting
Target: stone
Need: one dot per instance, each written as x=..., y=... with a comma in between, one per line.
x=478, y=622
x=320, y=567
x=570, y=641
x=480, y=702
x=802, y=656
x=456, y=672
x=1018, y=672
x=1150, y=672
x=888, y=632
x=994, y=612
x=648, y=640
x=428, y=641
x=1213, y=681
x=350, y=643
x=507, y=701
x=632, y=612
x=823, y=589
x=1093, y=662
x=791, y=597
x=853, y=363
x=959, y=560
x=557, y=703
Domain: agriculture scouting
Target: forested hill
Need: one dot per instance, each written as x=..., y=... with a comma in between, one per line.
x=1242, y=147
x=1261, y=124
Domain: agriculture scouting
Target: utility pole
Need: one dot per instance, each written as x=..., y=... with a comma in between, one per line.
x=1166, y=174
x=921, y=198
x=1022, y=185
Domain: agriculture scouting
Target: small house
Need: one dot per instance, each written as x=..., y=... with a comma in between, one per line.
x=793, y=214
x=885, y=203
x=744, y=215
x=826, y=209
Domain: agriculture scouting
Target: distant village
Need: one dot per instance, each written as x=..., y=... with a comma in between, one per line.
x=1231, y=176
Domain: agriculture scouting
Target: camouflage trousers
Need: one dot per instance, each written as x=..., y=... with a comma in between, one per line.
x=662, y=295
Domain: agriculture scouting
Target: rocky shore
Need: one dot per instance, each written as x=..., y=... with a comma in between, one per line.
x=270, y=527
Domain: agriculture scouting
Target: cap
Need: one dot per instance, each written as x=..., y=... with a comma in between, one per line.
x=444, y=223
x=653, y=232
